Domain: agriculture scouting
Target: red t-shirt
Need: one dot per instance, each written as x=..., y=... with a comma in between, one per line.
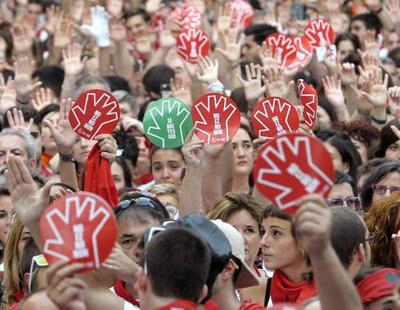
x=180, y=305
x=249, y=305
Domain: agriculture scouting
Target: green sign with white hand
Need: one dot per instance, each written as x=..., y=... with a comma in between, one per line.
x=167, y=122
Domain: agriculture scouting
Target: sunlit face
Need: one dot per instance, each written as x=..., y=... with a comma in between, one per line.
x=118, y=175
x=130, y=232
x=391, y=179
x=242, y=152
x=13, y=145
x=167, y=166
x=344, y=49
x=338, y=163
x=393, y=151
x=247, y=225
x=278, y=246
x=47, y=138
x=361, y=149
x=82, y=148
x=6, y=208
x=136, y=25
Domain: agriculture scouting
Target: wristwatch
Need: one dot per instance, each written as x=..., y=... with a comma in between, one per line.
x=67, y=157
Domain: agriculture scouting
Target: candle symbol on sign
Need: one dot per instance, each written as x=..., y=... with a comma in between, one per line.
x=279, y=52
x=193, y=50
x=321, y=39
x=80, y=251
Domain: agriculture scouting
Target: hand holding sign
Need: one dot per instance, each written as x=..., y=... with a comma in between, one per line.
x=291, y=166
x=283, y=49
x=167, y=122
x=191, y=44
x=216, y=118
x=320, y=34
x=309, y=101
x=95, y=112
x=274, y=116
x=78, y=228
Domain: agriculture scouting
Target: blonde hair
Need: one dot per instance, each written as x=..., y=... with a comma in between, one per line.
x=13, y=279
x=382, y=221
x=166, y=189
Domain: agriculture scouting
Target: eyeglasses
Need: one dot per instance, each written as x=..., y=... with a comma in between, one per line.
x=38, y=261
x=144, y=202
x=352, y=202
x=383, y=189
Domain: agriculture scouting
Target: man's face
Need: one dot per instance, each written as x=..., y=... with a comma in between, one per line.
x=15, y=145
x=359, y=29
x=136, y=25
x=392, y=40
x=250, y=49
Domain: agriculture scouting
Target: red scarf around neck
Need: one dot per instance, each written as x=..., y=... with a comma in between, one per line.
x=284, y=290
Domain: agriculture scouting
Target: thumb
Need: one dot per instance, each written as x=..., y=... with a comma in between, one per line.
x=51, y=126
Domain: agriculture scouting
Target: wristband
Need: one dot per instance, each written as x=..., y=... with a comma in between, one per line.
x=216, y=87
x=377, y=11
x=378, y=121
x=67, y=157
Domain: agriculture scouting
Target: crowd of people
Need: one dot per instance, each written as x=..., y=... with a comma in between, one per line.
x=194, y=232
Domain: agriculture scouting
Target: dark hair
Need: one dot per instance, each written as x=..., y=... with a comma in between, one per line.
x=387, y=137
x=125, y=169
x=53, y=107
x=370, y=165
x=51, y=76
x=129, y=146
x=348, y=37
x=117, y=82
x=155, y=149
x=395, y=56
x=5, y=33
x=141, y=214
x=345, y=147
x=239, y=97
x=328, y=107
x=274, y=211
x=365, y=273
x=343, y=178
x=377, y=175
x=140, y=12
x=157, y=75
x=348, y=232
x=260, y=32
x=370, y=20
x=177, y=263
x=355, y=59
x=30, y=250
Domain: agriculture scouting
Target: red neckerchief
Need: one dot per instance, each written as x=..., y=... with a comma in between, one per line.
x=250, y=305
x=283, y=290
x=144, y=179
x=119, y=288
x=180, y=305
x=98, y=177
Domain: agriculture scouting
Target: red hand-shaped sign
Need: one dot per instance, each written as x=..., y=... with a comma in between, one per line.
x=319, y=32
x=283, y=49
x=189, y=16
x=274, y=116
x=192, y=43
x=78, y=228
x=304, y=52
x=216, y=118
x=291, y=166
x=95, y=112
x=309, y=101
x=242, y=13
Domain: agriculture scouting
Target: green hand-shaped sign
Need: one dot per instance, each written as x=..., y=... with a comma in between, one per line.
x=167, y=122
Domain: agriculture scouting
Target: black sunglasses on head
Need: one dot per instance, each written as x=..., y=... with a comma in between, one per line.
x=143, y=201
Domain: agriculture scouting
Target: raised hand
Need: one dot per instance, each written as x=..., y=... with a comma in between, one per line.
x=62, y=133
x=121, y=265
x=8, y=97
x=207, y=70
x=63, y=289
x=392, y=9
x=73, y=64
x=180, y=91
x=193, y=151
x=64, y=33
x=253, y=88
x=394, y=101
x=77, y=10
x=108, y=147
x=224, y=21
x=21, y=39
x=333, y=91
x=347, y=74
x=267, y=57
x=16, y=121
x=231, y=50
x=54, y=15
x=371, y=44
x=114, y=7
x=99, y=28
x=276, y=84
x=23, y=77
x=42, y=98
x=376, y=84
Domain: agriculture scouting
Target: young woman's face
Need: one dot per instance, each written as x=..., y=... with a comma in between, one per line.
x=337, y=159
x=167, y=166
x=25, y=236
x=393, y=151
x=247, y=225
x=6, y=207
x=391, y=180
x=82, y=149
x=345, y=47
x=278, y=246
x=242, y=152
x=118, y=175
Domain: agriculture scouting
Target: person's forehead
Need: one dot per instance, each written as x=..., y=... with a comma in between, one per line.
x=135, y=20
x=129, y=226
x=52, y=116
x=12, y=142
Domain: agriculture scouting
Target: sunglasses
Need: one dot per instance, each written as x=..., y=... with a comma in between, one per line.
x=352, y=201
x=143, y=202
x=383, y=189
x=38, y=261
